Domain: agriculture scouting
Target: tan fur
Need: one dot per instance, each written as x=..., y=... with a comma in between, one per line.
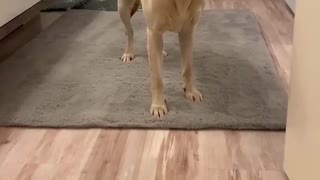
x=135, y=7
x=180, y=16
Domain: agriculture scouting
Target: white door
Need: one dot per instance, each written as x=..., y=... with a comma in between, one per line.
x=302, y=149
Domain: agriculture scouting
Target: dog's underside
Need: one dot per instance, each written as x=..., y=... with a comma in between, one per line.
x=180, y=16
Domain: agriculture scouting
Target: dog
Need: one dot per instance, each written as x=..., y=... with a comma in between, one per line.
x=179, y=16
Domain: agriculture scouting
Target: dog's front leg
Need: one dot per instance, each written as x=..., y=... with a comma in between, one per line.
x=155, y=58
x=186, y=46
x=124, y=9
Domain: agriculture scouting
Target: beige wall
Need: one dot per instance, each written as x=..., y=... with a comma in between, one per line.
x=9, y=9
x=302, y=154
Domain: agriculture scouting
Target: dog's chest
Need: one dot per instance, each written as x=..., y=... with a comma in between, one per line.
x=171, y=15
x=175, y=23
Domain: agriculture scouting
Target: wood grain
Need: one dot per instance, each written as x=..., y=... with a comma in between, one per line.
x=159, y=154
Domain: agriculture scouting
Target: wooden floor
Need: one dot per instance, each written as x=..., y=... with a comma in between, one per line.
x=95, y=154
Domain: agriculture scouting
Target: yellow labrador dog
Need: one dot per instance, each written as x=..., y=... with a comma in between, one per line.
x=180, y=16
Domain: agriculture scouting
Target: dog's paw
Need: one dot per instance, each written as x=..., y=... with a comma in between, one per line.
x=159, y=109
x=193, y=95
x=126, y=57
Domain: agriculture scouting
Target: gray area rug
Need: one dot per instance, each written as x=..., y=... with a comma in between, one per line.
x=103, y=5
x=71, y=76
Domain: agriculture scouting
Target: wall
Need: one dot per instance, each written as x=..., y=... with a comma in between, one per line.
x=302, y=149
x=9, y=9
x=292, y=4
